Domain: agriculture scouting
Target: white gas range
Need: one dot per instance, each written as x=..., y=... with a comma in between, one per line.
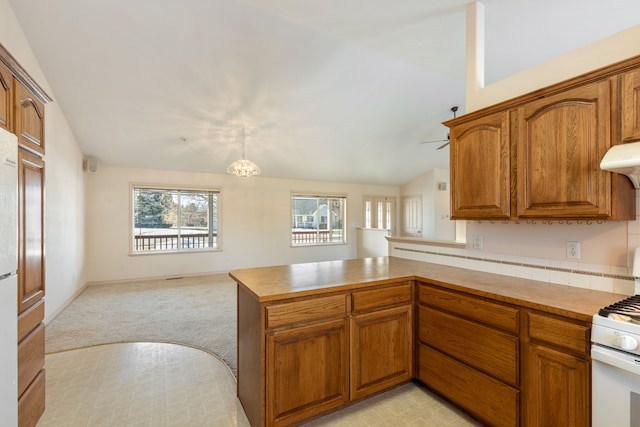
x=615, y=355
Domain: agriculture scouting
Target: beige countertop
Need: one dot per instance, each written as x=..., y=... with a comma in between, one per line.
x=316, y=278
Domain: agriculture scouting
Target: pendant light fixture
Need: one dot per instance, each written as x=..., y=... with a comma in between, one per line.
x=243, y=167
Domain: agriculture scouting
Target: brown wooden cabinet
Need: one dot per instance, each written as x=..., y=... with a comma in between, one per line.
x=469, y=352
x=31, y=263
x=6, y=98
x=29, y=118
x=31, y=288
x=481, y=168
x=22, y=113
x=504, y=364
x=561, y=140
x=300, y=357
x=381, y=339
x=508, y=351
x=630, y=106
x=307, y=371
x=538, y=155
x=557, y=372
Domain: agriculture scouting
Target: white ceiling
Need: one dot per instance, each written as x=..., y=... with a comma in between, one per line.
x=332, y=90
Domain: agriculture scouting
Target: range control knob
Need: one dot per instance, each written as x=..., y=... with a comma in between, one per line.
x=628, y=342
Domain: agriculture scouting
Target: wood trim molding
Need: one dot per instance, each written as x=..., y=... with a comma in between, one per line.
x=21, y=74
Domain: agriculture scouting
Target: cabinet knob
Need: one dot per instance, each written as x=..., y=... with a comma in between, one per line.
x=628, y=342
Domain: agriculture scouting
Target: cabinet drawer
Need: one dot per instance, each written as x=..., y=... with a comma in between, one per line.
x=491, y=351
x=30, y=319
x=31, y=404
x=560, y=332
x=306, y=310
x=374, y=299
x=492, y=314
x=30, y=358
x=481, y=395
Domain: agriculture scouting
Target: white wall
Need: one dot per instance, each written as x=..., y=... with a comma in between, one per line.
x=64, y=182
x=436, y=205
x=607, y=51
x=255, y=223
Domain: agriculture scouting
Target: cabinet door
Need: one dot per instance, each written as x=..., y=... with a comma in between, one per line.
x=481, y=168
x=5, y=98
x=557, y=389
x=307, y=371
x=29, y=119
x=561, y=140
x=381, y=350
x=630, y=108
x=30, y=229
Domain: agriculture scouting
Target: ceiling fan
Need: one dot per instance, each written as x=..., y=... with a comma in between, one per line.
x=446, y=141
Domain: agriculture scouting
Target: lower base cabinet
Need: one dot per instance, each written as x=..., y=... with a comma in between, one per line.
x=302, y=357
x=307, y=371
x=505, y=364
x=557, y=389
x=381, y=350
x=31, y=374
x=31, y=402
x=557, y=372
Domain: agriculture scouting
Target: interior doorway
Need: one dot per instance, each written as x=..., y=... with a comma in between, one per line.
x=412, y=216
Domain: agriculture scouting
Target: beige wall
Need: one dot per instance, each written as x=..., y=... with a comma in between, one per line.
x=255, y=223
x=64, y=181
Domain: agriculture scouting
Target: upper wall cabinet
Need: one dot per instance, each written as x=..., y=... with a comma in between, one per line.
x=561, y=140
x=538, y=156
x=480, y=168
x=29, y=119
x=630, y=106
x=6, y=103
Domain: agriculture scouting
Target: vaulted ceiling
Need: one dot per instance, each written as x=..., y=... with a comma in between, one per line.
x=333, y=90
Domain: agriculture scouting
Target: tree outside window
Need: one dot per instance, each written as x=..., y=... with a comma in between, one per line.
x=174, y=219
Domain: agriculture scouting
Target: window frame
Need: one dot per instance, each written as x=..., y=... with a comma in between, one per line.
x=372, y=216
x=316, y=195
x=172, y=187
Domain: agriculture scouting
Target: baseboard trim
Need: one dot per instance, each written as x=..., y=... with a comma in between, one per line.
x=149, y=278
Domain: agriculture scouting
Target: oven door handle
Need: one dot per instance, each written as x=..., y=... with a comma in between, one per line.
x=619, y=359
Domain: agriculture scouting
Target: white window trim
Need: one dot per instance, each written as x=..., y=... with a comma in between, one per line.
x=156, y=186
x=319, y=195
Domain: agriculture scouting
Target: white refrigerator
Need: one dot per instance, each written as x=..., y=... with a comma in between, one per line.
x=8, y=278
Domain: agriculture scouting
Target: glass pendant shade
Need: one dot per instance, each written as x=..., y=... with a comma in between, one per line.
x=243, y=167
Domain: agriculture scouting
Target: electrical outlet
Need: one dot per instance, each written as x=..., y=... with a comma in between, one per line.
x=573, y=250
x=478, y=242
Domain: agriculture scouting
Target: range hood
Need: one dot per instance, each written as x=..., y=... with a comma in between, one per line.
x=624, y=159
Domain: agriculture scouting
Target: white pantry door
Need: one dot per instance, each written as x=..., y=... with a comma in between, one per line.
x=412, y=216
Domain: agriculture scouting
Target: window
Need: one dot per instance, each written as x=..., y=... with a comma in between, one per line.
x=171, y=219
x=318, y=220
x=379, y=212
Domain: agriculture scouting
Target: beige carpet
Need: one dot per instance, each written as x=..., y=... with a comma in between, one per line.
x=196, y=311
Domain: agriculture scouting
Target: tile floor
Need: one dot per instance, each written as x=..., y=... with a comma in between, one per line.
x=153, y=384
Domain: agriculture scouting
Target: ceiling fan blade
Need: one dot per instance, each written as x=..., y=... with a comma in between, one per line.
x=442, y=146
x=447, y=139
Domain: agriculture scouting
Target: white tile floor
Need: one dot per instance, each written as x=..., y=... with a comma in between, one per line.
x=153, y=384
